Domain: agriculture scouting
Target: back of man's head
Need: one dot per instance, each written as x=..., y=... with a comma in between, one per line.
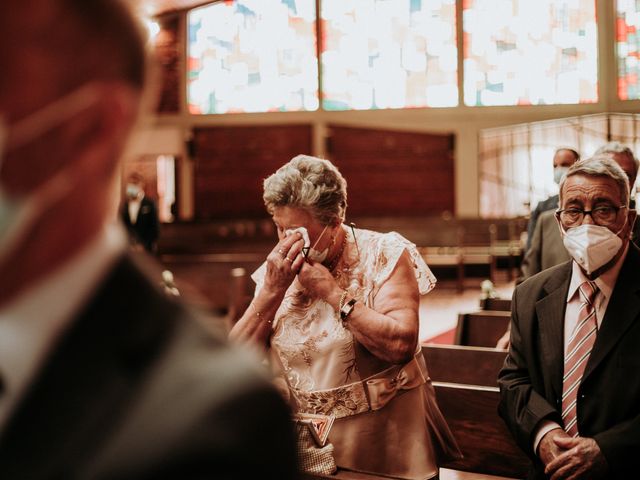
x=624, y=156
x=565, y=157
x=72, y=81
x=83, y=40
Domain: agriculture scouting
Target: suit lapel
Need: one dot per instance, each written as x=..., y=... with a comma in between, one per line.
x=87, y=382
x=550, y=310
x=622, y=311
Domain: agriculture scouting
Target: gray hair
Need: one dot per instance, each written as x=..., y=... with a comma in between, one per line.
x=600, y=166
x=311, y=184
x=617, y=147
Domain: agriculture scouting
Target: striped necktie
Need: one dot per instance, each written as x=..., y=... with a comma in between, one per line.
x=577, y=356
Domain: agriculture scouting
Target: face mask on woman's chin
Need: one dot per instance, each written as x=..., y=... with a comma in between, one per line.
x=316, y=255
x=591, y=246
x=18, y=213
x=312, y=254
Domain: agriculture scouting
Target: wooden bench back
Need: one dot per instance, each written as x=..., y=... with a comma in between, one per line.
x=464, y=364
x=496, y=304
x=485, y=442
x=482, y=328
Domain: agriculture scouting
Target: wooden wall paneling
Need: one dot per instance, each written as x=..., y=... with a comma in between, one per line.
x=232, y=162
x=394, y=173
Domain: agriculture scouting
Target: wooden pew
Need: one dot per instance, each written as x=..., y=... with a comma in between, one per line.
x=465, y=380
x=209, y=274
x=496, y=304
x=466, y=383
x=485, y=442
x=445, y=474
x=464, y=364
x=482, y=328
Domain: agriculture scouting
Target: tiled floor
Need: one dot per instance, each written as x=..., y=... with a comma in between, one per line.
x=439, y=308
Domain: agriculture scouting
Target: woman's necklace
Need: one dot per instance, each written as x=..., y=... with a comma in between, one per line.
x=336, y=259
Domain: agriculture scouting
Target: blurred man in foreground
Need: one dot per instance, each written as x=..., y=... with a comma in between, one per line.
x=102, y=375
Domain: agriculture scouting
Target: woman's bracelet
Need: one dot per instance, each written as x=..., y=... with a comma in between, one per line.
x=343, y=297
x=259, y=314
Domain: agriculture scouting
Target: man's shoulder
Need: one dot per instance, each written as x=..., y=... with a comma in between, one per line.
x=550, y=203
x=146, y=201
x=135, y=286
x=548, y=216
x=193, y=387
x=540, y=280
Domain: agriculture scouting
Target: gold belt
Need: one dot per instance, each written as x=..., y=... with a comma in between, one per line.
x=372, y=393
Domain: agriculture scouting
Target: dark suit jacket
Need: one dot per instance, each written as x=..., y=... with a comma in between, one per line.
x=147, y=227
x=547, y=249
x=138, y=389
x=550, y=203
x=609, y=395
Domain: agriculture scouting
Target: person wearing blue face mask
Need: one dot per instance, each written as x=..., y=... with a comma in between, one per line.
x=102, y=374
x=336, y=308
x=562, y=160
x=569, y=392
x=140, y=215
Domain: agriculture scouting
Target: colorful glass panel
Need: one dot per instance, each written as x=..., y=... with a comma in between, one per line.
x=524, y=52
x=388, y=54
x=252, y=56
x=628, y=48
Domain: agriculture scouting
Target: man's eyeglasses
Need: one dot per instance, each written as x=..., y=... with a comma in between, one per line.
x=604, y=215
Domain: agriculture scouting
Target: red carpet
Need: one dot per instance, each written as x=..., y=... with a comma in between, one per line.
x=445, y=338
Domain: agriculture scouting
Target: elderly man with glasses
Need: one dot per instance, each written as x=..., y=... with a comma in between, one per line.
x=569, y=393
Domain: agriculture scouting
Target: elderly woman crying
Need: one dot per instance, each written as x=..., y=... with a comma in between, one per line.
x=338, y=309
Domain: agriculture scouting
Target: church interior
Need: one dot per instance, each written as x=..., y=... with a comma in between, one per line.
x=442, y=115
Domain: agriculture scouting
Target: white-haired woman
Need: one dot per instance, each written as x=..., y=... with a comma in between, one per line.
x=338, y=307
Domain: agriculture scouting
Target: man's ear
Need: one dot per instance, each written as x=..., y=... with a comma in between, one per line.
x=558, y=223
x=632, y=216
x=119, y=107
x=102, y=137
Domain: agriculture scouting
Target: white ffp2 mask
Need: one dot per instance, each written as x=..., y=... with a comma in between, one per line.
x=591, y=246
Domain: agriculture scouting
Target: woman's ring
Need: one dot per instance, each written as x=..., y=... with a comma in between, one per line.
x=287, y=259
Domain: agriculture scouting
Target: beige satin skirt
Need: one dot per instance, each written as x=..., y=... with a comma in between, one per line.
x=405, y=439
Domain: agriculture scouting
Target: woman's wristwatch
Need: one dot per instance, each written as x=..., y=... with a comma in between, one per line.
x=347, y=308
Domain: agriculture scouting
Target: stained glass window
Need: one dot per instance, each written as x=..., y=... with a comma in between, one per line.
x=252, y=56
x=524, y=52
x=388, y=54
x=628, y=48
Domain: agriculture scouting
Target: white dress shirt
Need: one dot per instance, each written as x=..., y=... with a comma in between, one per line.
x=134, y=208
x=32, y=322
x=605, y=282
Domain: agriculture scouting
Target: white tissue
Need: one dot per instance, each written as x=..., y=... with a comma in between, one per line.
x=303, y=231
